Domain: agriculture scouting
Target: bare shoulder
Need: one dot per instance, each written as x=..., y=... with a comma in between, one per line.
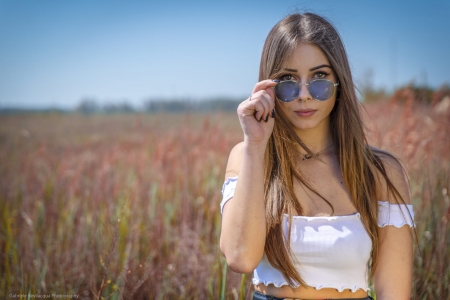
x=234, y=161
x=395, y=173
x=393, y=274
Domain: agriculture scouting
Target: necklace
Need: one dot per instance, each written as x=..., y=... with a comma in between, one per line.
x=309, y=156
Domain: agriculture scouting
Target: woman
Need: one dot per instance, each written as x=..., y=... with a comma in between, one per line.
x=308, y=205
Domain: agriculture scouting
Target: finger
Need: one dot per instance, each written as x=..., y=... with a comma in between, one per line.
x=258, y=110
x=264, y=85
x=253, y=107
x=270, y=102
x=271, y=90
x=265, y=101
x=257, y=119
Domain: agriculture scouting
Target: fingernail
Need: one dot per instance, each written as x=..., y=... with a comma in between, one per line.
x=260, y=119
x=267, y=118
x=273, y=113
x=276, y=80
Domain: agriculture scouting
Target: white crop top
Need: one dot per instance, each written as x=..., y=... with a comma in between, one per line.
x=331, y=252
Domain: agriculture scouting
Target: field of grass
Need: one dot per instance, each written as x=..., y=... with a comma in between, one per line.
x=127, y=206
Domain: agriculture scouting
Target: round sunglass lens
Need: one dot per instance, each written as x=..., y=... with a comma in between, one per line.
x=321, y=89
x=287, y=91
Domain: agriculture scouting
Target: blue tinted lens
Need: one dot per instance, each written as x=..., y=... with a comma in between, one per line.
x=287, y=91
x=321, y=89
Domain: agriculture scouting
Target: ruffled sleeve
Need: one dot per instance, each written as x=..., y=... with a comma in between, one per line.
x=397, y=215
x=228, y=191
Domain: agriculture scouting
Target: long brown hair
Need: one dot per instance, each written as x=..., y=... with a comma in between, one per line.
x=359, y=162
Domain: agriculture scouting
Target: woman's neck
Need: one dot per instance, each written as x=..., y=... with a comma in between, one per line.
x=316, y=139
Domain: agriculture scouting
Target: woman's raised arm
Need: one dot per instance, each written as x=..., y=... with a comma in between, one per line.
x=243, y=232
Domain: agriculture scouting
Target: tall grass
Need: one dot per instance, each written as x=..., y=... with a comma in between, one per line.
x=419, y=135
x=127, y=206
x=121, y=206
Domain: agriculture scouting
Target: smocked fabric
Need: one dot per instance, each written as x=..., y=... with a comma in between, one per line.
x=328, y=251
x=228, y=191
x=395, y=215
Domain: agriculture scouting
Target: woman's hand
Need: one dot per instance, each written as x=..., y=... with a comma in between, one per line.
x=255, y=113
x=243, y=234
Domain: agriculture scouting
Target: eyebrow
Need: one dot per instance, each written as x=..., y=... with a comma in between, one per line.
x=312, y=69
x=321, y=66
x=290, y=70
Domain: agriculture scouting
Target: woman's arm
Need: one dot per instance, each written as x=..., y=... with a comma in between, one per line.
x=243, y=232
x=393, y=275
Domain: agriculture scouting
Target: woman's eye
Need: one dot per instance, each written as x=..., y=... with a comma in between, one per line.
x=321, y=75
x=286, y=77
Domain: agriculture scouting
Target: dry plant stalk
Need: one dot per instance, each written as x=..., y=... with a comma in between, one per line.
x=67, y=179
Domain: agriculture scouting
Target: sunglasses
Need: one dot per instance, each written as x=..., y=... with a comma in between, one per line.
x=320, y=89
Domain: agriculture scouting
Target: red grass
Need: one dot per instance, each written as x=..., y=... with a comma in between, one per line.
x=127, y=206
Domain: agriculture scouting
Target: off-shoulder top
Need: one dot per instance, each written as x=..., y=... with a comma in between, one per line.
x=329, y=252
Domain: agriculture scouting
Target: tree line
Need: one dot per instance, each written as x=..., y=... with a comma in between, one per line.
x=90, y=106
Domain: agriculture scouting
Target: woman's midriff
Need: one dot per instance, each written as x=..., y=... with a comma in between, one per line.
x=308, y=292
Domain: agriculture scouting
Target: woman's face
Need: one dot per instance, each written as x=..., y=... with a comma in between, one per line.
x=307, y=63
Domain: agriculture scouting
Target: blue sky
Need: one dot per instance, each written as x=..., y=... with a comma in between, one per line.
x=55, y=53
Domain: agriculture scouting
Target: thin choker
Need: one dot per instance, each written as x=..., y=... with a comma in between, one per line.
x=315, y=155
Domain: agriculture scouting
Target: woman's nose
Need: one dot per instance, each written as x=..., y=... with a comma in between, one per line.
x=304, y=94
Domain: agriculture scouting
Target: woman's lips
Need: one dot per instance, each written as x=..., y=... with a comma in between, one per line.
x=305, y=112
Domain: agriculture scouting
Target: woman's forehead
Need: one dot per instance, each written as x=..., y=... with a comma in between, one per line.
x=305, y=56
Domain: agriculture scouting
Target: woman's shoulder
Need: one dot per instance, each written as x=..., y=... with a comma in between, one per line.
x=390, y=162
x=395, y=173
x=234, y=161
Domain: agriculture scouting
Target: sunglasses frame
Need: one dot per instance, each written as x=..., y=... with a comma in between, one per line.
x=308, y=85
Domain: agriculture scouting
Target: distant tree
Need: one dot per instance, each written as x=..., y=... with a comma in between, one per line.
x=413, y=93
x=369, y=92
x=154, y=106
x=222, y=104
x=126, y=107
x=122, y=107
x=374, y=95
x=88, y=106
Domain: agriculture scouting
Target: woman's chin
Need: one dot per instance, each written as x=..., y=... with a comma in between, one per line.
x=301, y=126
